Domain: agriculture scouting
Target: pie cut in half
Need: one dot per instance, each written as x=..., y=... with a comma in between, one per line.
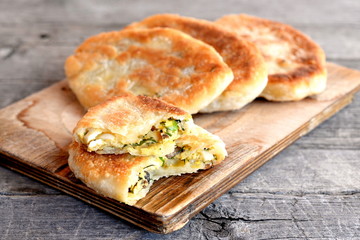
x=151, y=139
x=295, y=63
x=242, y=56
x=162, y=63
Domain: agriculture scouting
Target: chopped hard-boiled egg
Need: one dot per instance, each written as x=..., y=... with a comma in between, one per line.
x=158, y=141
x=182, y=160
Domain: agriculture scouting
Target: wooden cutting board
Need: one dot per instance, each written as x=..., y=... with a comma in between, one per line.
x=35, y=133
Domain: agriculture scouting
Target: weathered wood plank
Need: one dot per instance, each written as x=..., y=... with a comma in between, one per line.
x=340, y=132
x=99, y=12
x=234, y=216
x=264, y=216
x=52, y=34
x=306, y=171
x=15, y=184
x=47, y=63
x=26, y=59
x=334, y=25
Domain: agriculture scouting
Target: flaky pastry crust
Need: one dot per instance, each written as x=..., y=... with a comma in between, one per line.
x=163, y=63
x=296, y=64
x=245, y=60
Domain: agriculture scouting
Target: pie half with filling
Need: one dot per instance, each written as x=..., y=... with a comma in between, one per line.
x=123, y=145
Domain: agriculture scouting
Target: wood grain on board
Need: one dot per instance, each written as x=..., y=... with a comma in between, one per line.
x=35, y=133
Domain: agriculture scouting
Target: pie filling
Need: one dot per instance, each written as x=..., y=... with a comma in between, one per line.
x=158, y=141
x=182, y=160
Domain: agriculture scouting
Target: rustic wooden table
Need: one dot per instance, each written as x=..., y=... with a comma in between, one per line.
x=310, y=190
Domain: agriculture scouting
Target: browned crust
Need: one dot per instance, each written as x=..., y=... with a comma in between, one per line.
x=241, y=56
x=109, y=175
x=310, y=65
x=128, y=111
x=99, y=165
x=161, y=75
